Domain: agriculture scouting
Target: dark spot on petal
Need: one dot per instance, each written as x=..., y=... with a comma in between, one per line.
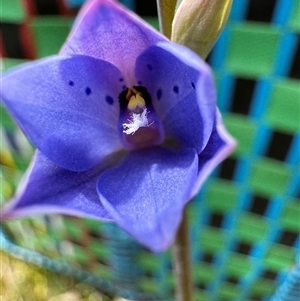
x=88, y=91
x=124, y=87
x=158, y=94
x=121, y=79
x=71, y=83
x=109, y=100
x=139, y=82
x=149, y=67
x=176, y=89
x=193, y=85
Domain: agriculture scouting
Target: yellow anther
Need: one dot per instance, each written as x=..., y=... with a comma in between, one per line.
x=140, y=101
x=132, y=104
x=136, y=101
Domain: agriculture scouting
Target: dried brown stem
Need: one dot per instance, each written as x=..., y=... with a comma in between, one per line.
x=182, y=262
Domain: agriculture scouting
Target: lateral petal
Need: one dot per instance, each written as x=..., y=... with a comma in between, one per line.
x=47, y=188
x=182, y=90
x=68, y=107
x=147, y=191
x=106, y=30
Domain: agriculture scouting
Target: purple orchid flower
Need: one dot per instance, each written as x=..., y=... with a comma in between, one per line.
x=124, y=122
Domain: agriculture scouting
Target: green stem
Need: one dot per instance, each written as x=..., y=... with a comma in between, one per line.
x=182, y=262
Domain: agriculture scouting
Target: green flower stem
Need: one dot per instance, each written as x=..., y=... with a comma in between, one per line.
x=182, y=262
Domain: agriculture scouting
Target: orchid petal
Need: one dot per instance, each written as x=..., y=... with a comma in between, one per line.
x=182, y=90
x=147, y=191
x=47, y=188
x=219, y=146
x=108, y=31
x=68, y=107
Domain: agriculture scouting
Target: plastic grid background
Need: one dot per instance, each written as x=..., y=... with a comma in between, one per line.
x=245, y=221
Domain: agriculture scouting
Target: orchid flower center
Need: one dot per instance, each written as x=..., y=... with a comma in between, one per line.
x=137, y=105
x=140, y=125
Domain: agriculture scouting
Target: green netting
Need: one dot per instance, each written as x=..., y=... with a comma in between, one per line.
x=294, y=22
x=283, y=110
x=269, y=177
x=13, y=11
x=49, y=34
x=243, y=129
x=253, y=56
x=222, y=196
x=290, y=216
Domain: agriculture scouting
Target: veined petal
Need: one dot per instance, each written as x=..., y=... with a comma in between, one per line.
x=68, y=107
x=106, y=30
x=182, y=90
x=47, y=188
x=219, y=146
x=147, y=191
